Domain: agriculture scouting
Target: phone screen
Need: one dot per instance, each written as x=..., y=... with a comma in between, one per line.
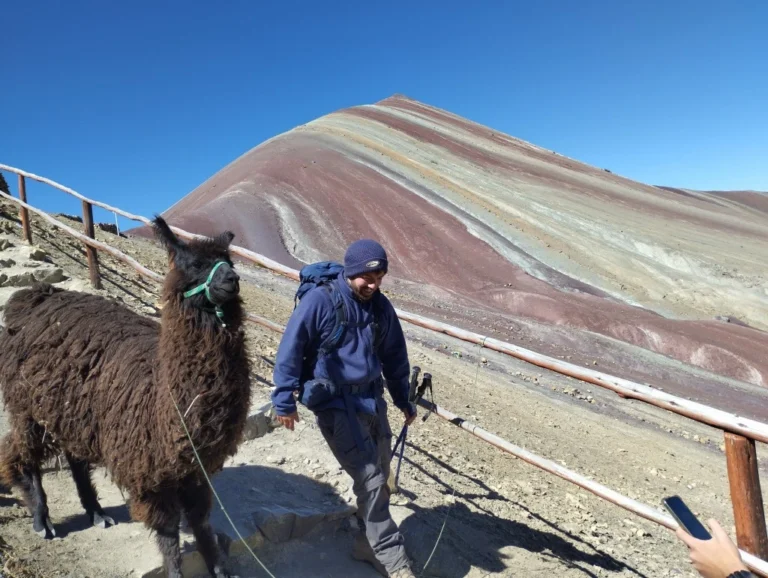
x=685, y=518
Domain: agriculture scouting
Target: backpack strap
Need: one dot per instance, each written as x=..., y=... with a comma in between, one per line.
x=333, y=340
x=378, y=333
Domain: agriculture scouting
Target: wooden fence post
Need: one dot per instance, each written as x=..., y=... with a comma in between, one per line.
x=93, y=260
x=26, y=231
x=744, y=479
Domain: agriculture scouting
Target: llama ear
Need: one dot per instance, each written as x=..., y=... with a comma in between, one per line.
x=167, y=237
x=224, y=239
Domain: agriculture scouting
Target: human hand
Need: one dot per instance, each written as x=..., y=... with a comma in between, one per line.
x=410, y=417
x=289, y=420
x=715, y=558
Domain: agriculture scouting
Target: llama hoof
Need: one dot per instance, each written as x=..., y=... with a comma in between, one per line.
x=224, y=542
x=44, y=528
x=102, y=521
x=220, y=572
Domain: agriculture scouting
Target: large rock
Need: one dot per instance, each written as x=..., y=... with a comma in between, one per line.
x=50, y=275
x=17, y=279
x=260, y=422
x=279, y=524
x=275, y=523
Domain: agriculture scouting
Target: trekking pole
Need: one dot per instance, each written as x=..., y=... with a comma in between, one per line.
x=400, y=443
x=412, y=392
x=414, y=396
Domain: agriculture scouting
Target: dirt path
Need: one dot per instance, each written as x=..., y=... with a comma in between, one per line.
x=502, y=516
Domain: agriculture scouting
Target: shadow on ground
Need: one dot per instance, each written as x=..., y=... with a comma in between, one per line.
x=81, y=522
x=478, y=538
x=475, y=539
x=298, y=526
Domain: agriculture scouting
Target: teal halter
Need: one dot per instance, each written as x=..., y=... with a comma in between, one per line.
x=206, y=287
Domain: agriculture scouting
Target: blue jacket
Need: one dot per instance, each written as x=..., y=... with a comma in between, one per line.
x=353, y=361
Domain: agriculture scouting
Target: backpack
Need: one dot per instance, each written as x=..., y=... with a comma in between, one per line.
x=322, y=274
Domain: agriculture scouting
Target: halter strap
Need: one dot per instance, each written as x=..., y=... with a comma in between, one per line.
x=206, y=287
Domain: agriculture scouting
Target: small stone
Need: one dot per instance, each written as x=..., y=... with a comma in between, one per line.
x=279, y=460
x=37, y=254
x=55, y=276
x=4, y=244
x=574, y=500
x=7, y=262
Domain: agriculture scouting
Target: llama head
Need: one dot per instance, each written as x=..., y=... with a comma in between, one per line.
x=201, y=271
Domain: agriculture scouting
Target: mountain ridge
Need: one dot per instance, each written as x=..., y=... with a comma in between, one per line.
x=490, y=221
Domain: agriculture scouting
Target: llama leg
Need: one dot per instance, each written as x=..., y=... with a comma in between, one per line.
x=81, y=472
x=32, y=486
x=196, y=502
x=161, y=513
x=167, y=539
x=21, y=468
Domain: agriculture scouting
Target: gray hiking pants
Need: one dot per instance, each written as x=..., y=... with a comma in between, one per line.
x=369, y=470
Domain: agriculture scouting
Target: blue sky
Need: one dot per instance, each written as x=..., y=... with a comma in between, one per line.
x=136, y=103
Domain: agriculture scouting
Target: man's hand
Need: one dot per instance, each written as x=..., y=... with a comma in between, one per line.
x=289, y=420
x=715, y=558
x=409, y=418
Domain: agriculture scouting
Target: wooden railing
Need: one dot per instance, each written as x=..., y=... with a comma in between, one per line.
x=740, y=433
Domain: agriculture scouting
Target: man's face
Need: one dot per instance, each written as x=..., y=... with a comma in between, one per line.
x=365, y=285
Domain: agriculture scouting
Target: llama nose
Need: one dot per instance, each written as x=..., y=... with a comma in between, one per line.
x=231, y=277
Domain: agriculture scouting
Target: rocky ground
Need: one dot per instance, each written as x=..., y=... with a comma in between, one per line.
x=499, y=516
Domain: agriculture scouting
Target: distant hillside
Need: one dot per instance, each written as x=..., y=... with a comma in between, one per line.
x=496, y=225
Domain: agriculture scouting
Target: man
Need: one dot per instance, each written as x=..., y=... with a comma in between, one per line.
x=343, y=386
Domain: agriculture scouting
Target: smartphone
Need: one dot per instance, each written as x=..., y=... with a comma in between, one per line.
x=686, y=518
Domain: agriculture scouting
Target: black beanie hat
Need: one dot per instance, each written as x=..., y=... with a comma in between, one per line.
x=364, y=256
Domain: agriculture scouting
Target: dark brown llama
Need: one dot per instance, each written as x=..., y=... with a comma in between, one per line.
x=85, y=376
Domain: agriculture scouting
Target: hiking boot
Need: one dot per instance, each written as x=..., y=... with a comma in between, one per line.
x=362, y=551
x=404, y=572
